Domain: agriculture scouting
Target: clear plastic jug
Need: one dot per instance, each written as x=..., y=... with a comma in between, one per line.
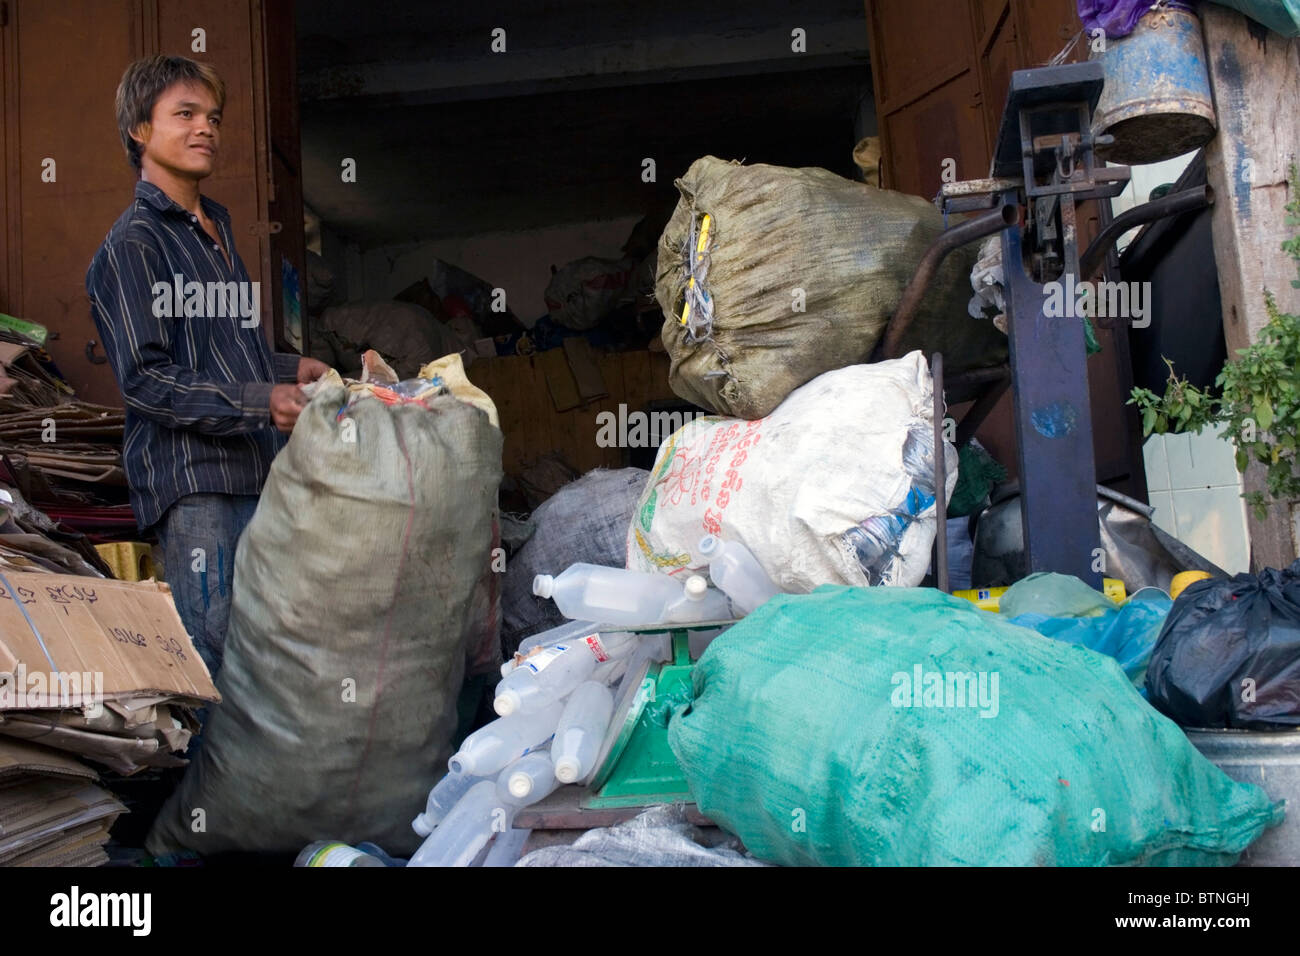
x=581, y=729
x=489, y=749
x=736, y=571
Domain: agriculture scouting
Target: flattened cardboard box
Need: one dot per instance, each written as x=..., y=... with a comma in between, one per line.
x=122, y=639
x=21, y=760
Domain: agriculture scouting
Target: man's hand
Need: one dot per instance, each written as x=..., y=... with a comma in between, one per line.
x=310, y=369
x=287, y=402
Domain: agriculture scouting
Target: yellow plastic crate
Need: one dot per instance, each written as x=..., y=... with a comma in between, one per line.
x=130, y=560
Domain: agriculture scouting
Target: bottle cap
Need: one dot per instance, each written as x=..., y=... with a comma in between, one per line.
x=708, y=545
x=696, y=588
x=543, y=585
x=506, y=702
x=520, y=785
x=461, y=763
x=567, y=769
x=421, y=826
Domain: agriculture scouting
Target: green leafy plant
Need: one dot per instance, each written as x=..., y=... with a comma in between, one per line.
x=1258, y=398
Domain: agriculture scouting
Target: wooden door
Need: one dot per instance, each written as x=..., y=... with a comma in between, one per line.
x=929, y=98
x=55, y=222
x=66, y=174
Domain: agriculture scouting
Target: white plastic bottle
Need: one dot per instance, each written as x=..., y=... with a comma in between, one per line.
x=466, y=830
x=611, y=672
x=614, y=596
x=544, y=679
x=527, y=780
x=605, y=644
x=507, y=848
x=699, y=602
x=442, y=798
x=581, y=729
x=736, y=571
x=555, y=635
x=490, y=748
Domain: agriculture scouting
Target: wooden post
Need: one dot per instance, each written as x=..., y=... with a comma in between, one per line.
x=1255, y=74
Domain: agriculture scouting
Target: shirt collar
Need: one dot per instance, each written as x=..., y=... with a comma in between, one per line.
x=155, y=197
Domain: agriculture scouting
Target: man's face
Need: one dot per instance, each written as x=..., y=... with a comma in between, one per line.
x=184, y=134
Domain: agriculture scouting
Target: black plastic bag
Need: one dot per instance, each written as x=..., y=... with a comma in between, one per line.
x=1229, y=653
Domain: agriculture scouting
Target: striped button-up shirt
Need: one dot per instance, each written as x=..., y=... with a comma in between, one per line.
x=195, y=370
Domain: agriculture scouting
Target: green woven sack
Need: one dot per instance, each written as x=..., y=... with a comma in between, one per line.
x=819, y=734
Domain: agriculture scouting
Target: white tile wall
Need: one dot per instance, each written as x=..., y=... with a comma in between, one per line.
x=1194, y=486
x=1192, y=480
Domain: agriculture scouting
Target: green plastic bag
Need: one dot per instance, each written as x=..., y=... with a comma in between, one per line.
x=818, y=734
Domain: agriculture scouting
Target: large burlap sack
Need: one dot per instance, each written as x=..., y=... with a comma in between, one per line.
x=354, y=598
x=848, y=247
x=585, y=521
x=836, y=486
x=483, y=652
x=906, y=727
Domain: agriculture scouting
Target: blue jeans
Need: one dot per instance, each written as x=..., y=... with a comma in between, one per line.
x=198, y=535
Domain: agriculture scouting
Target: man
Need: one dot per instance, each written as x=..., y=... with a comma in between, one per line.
x=200, y=383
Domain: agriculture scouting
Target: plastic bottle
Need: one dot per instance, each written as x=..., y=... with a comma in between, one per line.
x=614, y=596
x=490, y=748
x=507, y=848
x=569, y=630
x=607, y=645
x=377, y=851
x=581, y=729
x=442, y=798
x=331, y=853
x=527, y=780
x=544, y=679
x=736, y=571
x=699, y=602
x=877, y=540
x=610, y=672
x=466, y=830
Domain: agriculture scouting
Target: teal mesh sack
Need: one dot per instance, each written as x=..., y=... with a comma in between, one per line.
x=905, y=727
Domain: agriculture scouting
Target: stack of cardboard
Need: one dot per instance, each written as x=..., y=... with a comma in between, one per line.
x=25, y=382
x=31, y=541
x=98, y=668
x=59, y=424
x=54, y=447
x=51, y=812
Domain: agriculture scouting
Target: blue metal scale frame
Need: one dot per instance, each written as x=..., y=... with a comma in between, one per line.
x=1045, y=163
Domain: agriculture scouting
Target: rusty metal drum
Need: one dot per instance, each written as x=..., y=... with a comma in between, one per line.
x=1156, y=101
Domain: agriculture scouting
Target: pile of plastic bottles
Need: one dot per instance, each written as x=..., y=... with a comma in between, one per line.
x=556, y=696
x=555, y=703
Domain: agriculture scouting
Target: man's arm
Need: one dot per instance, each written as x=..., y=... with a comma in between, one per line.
x=295, y=369
x=286, y=367
x=138, y=345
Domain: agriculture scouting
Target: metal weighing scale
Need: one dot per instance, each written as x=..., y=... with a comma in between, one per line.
x=1044, y=165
